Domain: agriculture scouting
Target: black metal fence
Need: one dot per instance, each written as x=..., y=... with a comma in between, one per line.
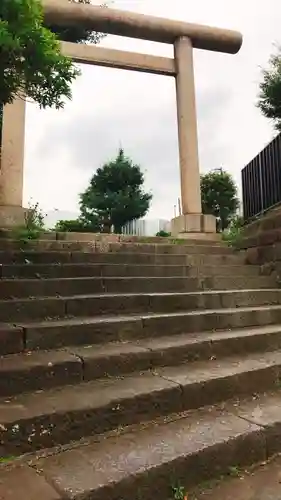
x=261, y=180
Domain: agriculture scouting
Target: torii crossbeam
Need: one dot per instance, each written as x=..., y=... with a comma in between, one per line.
x=184, y=36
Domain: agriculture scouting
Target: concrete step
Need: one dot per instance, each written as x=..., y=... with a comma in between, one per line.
x=150, y=459
x=64, y=257
x=53, y=333
x=93, y=305
x=43, y=419
x=38, y=370
x=49, y=287
x=122, y=270
x=101, y=247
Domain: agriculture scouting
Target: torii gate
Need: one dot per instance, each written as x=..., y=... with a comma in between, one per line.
x=184, y=37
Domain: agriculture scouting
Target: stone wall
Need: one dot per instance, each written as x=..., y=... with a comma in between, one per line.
x=262, y=242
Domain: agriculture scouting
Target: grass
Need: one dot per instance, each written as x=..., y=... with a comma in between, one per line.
x=5, y=460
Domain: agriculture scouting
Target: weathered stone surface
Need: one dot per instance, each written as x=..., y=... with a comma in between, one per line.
x=192, y=248
x=206, y=383
x=42, y=370
x=107, y=304
x=114, y=359
x=178, y=326
x=32, y=308
x=239, y=282
x=25, y=483
x=270, y=220
x=210, y=270
x=151, y=284
x=53, y=334
x=200, y=321
x=143, y=465
x=104, y=246
x=176, y=349
x=101, y=329
x=133, y=258
x=142, y=270
x=93, y=305
x=33, y=257
x=260, y=483
x=11, y=339
x=50, y=287
x=107, y=404
x=36, y=420
x=40, y=271
x=265, y=411
x=33, y=371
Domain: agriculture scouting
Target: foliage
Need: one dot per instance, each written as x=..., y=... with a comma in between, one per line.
x=76, y=226
x=31, y=63
x=179, y=493
x=270, y=91
x=33, y=226
x=115, y=194
x=219, y=196
x=163, y=234
x=77, y=34
x=233, y=234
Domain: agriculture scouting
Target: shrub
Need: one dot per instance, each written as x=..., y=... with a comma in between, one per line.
x=163, y=234
x=73, y=226
x=233, y=234
x=34, y=224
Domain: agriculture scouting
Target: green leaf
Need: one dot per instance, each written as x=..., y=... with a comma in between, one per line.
x=31, y=63
x=269, y=98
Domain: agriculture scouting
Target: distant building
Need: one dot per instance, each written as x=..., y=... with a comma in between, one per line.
x=146, y=227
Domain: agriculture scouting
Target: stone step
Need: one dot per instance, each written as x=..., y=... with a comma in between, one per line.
x=229, y=283
x=49, y=287
x=93, y=305
x=63, y=257
x=96, y=239
x=43, y=419
x=100, y=247
x=191, y=248
x=259, y=482
x=32, y=371
x=192, y=448
x=122, y=270
x=52, y=334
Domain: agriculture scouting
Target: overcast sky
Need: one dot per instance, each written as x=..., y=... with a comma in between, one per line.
x=138, y=111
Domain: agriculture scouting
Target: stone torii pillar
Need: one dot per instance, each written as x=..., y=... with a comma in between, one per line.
x=11, y=164
x=185, y=37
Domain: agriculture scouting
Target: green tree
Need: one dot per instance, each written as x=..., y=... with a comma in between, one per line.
x=219, y=196
x=270, y=91
x=115, y=194
x=31, y=63
x=76, y=34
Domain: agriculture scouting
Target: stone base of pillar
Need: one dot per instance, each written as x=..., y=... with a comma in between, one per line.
x=194, y=226
x=11, y=216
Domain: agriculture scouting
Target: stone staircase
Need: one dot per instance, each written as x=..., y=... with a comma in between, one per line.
x=130, y=367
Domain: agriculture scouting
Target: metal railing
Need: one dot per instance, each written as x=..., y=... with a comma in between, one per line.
x=146, y=227
x=261, y=181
